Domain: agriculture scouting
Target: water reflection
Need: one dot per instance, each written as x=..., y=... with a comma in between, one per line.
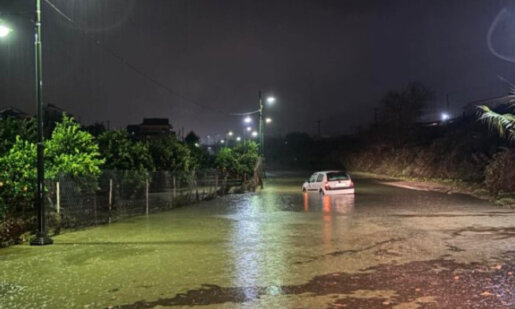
x=305, y=197
x=257, y=240
x=341, y=204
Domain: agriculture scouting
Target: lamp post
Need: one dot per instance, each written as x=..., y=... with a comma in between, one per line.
x=269, y=100
x=41, y=234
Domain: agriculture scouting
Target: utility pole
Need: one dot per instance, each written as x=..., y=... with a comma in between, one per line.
x=261, y=135
x=261, y=127
x=41, y=234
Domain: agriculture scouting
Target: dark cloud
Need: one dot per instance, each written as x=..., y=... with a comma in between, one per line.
x=328, y=60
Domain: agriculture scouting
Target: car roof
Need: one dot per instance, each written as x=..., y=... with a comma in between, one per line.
x=333, y=171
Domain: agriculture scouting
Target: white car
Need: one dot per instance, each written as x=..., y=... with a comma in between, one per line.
x=329, y=182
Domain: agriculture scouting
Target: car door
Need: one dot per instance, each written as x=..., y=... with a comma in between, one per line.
x=312, y=182
x=319, y=182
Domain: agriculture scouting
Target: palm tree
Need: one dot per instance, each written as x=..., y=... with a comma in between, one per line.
x=504, y=124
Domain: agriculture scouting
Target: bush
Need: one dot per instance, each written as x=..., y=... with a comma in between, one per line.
x=500, y=173
x=14, y=231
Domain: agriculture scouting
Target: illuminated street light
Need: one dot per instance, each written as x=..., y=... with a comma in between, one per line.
x=247, y=119
x=254, y=134
x=230, y=133
x=249, y=129
x=445, y=117
x=4, y=31
x=222, y=141
x=270, y=100
x=238, y=139
x=268, y=120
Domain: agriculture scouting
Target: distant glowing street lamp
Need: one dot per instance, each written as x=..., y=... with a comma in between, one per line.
x=445, y=117
x=247, y=119
x=230, y=133
x=4, y=31
x=270, y=100
x=249, y=129
x=268, y=120
x=222, y=141
x=254, y=133
x=238, y=139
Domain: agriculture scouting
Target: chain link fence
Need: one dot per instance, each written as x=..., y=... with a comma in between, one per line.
x=75, y=202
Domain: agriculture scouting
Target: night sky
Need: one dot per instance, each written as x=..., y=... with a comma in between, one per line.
x=328, y=60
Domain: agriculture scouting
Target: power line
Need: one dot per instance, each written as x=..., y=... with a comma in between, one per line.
x=135, y=69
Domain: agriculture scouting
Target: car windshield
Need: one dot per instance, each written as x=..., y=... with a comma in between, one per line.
x=337, y=176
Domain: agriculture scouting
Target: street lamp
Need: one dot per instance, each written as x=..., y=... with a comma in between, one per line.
x=254, y=134
x=247, y=119
x=230, y=133
x=4, y=31
x=445, y=117
x=249, y=129
x=270, y=100
x=238, y=139
x=41, y=234
x=268, y=120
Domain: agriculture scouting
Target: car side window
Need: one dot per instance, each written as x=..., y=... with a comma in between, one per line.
x=320, y=177
x=313, y=178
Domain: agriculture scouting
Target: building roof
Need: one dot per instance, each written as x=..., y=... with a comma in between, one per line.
x=156, y=121
x=14, y=112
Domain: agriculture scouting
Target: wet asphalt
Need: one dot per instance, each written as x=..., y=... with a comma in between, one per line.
x=384, y=247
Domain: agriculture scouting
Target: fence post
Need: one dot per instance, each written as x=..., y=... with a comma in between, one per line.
x=216, y=184
x=110, y=198
x=58, y=198
x=95, y=208
x=174, y=184
x=146, y=198
x=195, y=179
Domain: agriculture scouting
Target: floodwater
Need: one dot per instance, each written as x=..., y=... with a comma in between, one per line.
x=385, y=247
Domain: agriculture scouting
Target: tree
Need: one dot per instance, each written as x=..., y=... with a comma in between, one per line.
x=247, y=156
x=18, y=177
x=10, y=128
x=239, y=160
x=401, y=109
x=71, y=151
x=192, y=138
x=227, y=161
x=503, y=123
x=169, y=154
x=122, y=153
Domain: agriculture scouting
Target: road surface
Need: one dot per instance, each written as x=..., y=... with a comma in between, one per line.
x=385, y=247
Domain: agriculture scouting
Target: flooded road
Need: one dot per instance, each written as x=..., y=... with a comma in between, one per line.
x=385, y=247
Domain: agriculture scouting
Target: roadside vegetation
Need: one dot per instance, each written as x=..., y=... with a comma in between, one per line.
x=82, y=155
x=474, y=152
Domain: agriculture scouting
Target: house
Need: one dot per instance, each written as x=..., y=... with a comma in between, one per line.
x=151, y=127
x=13, y=112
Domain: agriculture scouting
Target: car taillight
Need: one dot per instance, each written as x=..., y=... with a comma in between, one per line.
x=327, y=186
x=352, y=184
